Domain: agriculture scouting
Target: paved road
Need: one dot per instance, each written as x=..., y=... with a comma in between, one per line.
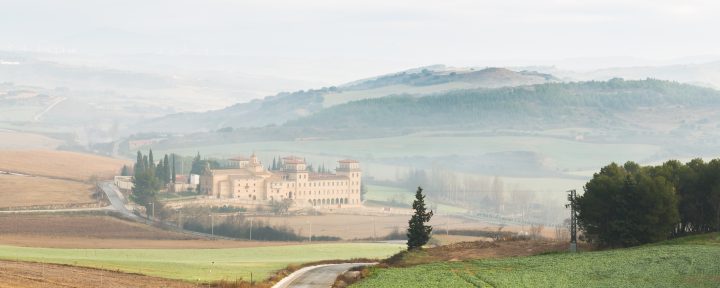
x=117, y=200
x=320, y=276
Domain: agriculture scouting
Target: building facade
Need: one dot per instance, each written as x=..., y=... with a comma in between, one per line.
x=247, y=179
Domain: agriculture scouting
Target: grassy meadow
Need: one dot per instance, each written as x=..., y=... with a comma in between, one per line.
x=561, y=153
x=201, y=264
x=686, y=262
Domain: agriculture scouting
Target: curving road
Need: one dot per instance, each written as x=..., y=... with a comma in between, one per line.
x=117, y=200
x=319, y=276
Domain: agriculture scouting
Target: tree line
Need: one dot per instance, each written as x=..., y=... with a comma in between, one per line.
x=540, y=104
x=631, y=204
x=149, y=177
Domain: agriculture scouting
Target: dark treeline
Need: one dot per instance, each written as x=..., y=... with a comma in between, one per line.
x=150, y=176
x=237, y=226
x=631, y=204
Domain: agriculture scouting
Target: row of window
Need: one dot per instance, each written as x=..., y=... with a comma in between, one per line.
x=331, y=201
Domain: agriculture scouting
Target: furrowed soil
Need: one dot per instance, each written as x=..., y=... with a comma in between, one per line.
x=29, y=274
x=98, y=231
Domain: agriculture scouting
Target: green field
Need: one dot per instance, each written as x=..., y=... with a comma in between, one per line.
x=560, y=153
x=201, y=264
x=690, y=262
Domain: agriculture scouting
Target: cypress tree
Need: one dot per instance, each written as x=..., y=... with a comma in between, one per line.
x=418, y=233
x=166, y=169
x=145, y=165
x=151, y=160
x=173, y=168
x=125, y=171
x=138, y=161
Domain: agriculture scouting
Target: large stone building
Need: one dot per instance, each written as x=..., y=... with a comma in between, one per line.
x=247, y=179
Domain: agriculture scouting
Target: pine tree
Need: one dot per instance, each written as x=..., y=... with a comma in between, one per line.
x=274, y=164
x=418, y=233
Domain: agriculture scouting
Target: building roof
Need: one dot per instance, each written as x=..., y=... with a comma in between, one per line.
x=325, y=176
x=348, y=161
x=239, y=158
x=292, y=157
x=294, y=161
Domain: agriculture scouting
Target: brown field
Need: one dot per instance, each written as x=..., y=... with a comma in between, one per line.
x=31, y=275
x=60, y=164
x=479, y=250
x=20, y=140
x=43, y=193
x=443, y=239
x=97, y=231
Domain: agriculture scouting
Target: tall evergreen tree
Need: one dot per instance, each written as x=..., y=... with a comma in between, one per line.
x=145, y=165
x=151, y=160
x=418, y=233
x=125, y=171
x=274, y=164
x=173, y=168
x=197, y=165
x=138, y=161
x=145, y=183
x=166, y=169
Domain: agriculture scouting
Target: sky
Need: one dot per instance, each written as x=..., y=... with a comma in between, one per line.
x=339, y=41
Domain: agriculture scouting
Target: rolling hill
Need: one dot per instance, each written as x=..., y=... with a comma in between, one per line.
x=283, y=107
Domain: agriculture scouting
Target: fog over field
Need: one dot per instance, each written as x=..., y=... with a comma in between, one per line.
x=495, y=109
x=100, y=83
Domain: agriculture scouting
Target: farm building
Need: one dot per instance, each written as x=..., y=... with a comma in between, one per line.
x=247, y=179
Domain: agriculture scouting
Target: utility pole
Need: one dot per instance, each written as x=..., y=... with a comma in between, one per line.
x=212, y=225
x=310, y=236
x=251, y=226
x=153, y=210
x=447, y=226
x=572, y=194
x=374, y=238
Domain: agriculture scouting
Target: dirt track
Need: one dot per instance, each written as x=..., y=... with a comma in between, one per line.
x=27, y=274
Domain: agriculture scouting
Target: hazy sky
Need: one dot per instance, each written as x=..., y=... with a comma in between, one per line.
x=336, y=41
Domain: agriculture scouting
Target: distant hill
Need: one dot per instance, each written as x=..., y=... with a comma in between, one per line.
x=283, y=107
x=701, y=74
x=536, y=107
x=650, y=110
x=544, y=130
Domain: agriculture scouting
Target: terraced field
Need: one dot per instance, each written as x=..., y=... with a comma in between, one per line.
x=689, y=262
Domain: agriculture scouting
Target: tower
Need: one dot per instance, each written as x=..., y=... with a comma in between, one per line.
x=295, y=168
x=351, y=169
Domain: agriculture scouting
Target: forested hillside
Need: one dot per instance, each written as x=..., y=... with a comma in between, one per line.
x=283, y=107
x=594, y=104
